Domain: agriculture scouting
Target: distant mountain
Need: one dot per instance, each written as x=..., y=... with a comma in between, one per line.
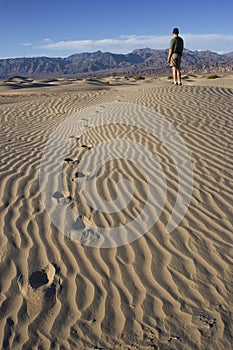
x=141, y=61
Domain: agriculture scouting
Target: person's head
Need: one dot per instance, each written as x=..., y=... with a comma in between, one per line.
x=175, y=31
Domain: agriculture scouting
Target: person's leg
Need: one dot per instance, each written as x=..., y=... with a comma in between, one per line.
x=178, y=76
x=174, y=71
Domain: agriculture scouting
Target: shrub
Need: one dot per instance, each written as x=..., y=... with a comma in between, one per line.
x=213, y=76
x=139, y=77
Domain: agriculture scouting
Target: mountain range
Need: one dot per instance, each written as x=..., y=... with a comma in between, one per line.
x=141, y=61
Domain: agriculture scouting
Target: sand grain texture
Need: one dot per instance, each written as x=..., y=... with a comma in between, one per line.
x=163, y=291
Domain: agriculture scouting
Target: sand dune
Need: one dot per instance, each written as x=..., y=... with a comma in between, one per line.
x=160, y=291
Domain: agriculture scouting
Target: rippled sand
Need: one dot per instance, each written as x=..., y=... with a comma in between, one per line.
x=162, y=291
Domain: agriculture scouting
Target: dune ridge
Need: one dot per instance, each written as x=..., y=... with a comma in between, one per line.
x=163, y=291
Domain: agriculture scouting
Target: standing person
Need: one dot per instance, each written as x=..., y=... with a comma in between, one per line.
x=174, y=56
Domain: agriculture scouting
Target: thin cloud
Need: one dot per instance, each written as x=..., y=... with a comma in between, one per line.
x=125, y=44
x=47, y=40
x=122, y=44
x=26, y=44
x=213, y=42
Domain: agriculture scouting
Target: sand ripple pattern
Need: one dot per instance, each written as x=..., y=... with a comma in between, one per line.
x=128, y=150
x=163, y=291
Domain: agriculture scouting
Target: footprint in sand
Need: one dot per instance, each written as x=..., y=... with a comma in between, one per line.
x=209, y=324
x=62, y=199
x=77, y=138
x=88, y=146
x=58, y=195
x=71, y=161
x=40, y=290
x=79, y=175
x=83, y=230
x=38, y=279
x=42, y=277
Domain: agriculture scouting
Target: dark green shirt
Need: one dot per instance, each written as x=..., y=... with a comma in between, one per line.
x=177, y=45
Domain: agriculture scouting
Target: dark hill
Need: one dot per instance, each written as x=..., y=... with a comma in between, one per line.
x=140, y=61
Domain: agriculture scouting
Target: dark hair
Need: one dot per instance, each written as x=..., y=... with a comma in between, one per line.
x=175, y=31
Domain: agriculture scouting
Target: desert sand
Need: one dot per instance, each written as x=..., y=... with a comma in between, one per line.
x=164, y=290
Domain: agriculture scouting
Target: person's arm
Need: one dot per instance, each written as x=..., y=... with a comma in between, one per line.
x=169, y=55
x=170, y=52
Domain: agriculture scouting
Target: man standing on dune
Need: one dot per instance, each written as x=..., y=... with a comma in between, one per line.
x=174, y=56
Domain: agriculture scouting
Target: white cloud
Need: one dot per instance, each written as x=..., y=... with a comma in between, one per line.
x=47, y=40
x=124, y=44
x=26, y=44
x=214, y=42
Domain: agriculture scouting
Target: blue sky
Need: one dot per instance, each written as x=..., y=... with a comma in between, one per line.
x=61, y=28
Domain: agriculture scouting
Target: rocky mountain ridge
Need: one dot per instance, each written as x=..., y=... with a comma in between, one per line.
x=141, y=61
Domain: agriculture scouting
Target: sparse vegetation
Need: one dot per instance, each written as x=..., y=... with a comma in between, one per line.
x=185, y=77
x=213, y=76
x=139, y=77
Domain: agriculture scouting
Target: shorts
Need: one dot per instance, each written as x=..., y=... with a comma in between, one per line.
x=175, y=60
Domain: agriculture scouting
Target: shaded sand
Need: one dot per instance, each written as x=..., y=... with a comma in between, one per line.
x=163, y=291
